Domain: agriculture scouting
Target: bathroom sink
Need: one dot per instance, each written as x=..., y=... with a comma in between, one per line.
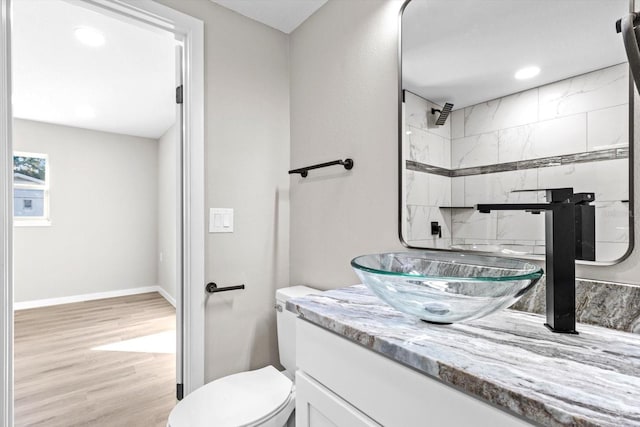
x=446, y=287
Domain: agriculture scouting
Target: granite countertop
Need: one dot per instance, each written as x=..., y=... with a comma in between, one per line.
x=509, y=358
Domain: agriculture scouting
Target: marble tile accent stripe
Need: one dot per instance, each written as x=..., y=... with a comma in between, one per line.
x=612, y=305
x=422, y=167
x=591, y=156
x=508, y=359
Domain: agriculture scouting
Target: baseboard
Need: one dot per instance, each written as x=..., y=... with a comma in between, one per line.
x=171, y=300
x=90, y=297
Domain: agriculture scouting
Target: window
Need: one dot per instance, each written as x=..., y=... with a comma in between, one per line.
x=30, y=189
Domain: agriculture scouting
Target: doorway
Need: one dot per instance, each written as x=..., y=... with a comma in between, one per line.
x=95, y=216
x=191, y=295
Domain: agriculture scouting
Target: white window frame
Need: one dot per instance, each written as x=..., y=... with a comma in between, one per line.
x=35, y=221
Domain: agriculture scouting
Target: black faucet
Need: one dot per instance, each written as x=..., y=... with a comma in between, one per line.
x=562, y=213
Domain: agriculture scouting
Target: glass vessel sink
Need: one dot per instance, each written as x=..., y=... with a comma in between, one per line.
x=446, y=287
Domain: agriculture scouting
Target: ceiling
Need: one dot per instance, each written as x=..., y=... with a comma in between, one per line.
x=126, y=86
x=467, y=51
x=283, y=15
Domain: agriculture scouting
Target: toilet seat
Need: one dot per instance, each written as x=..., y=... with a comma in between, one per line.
x=246, y=399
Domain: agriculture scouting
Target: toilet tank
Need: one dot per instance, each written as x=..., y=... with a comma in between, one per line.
x=286, y=324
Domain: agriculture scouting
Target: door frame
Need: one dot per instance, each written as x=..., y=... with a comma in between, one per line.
x=191, y=32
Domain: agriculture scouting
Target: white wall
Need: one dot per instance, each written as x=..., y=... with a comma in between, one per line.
x=344, y=104
x=168, y=205
x=247, y=159
x=102, y=235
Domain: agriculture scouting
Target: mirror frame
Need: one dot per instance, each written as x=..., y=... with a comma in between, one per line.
x=402, y=165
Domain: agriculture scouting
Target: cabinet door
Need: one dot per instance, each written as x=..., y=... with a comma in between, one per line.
x=317, y=406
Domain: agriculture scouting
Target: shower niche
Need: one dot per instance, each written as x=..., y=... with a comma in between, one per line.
x=512, y=100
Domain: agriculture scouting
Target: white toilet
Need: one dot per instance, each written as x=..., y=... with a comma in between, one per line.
x=264, y=397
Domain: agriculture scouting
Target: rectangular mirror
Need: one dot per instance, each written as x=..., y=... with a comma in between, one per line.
x=497, y=97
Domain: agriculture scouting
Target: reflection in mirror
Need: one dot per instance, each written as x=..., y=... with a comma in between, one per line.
x=502, y=96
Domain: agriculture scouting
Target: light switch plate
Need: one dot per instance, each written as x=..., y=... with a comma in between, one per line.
x=220, y=220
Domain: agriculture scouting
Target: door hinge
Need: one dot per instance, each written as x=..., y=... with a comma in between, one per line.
x=179, y=392
x=179, y=95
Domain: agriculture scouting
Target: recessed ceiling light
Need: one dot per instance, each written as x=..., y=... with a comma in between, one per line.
x=89, y=36
x=85, y=112
x=527, y=72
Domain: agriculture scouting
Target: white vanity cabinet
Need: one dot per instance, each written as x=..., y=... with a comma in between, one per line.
x=342, y=384
x=317, y=406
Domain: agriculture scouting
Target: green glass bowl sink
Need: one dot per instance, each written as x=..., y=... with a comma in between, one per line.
x=446, y=287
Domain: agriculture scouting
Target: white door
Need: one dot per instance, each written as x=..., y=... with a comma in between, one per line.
x=180, y=279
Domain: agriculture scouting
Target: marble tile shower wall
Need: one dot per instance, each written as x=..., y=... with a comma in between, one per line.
x=584, y=114
x=426, y=192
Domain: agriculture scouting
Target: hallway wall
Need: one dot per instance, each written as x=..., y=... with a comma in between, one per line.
x=103, y=228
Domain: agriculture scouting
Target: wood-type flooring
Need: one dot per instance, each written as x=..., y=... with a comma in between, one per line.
x=62, y=379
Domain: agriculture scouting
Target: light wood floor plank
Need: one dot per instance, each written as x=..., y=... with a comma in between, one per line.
x=61, y=381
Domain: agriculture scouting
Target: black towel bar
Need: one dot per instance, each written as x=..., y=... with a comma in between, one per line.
x=347, y=163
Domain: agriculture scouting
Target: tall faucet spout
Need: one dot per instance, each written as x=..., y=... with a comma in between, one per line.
x=527, y=207
x=560, y=252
